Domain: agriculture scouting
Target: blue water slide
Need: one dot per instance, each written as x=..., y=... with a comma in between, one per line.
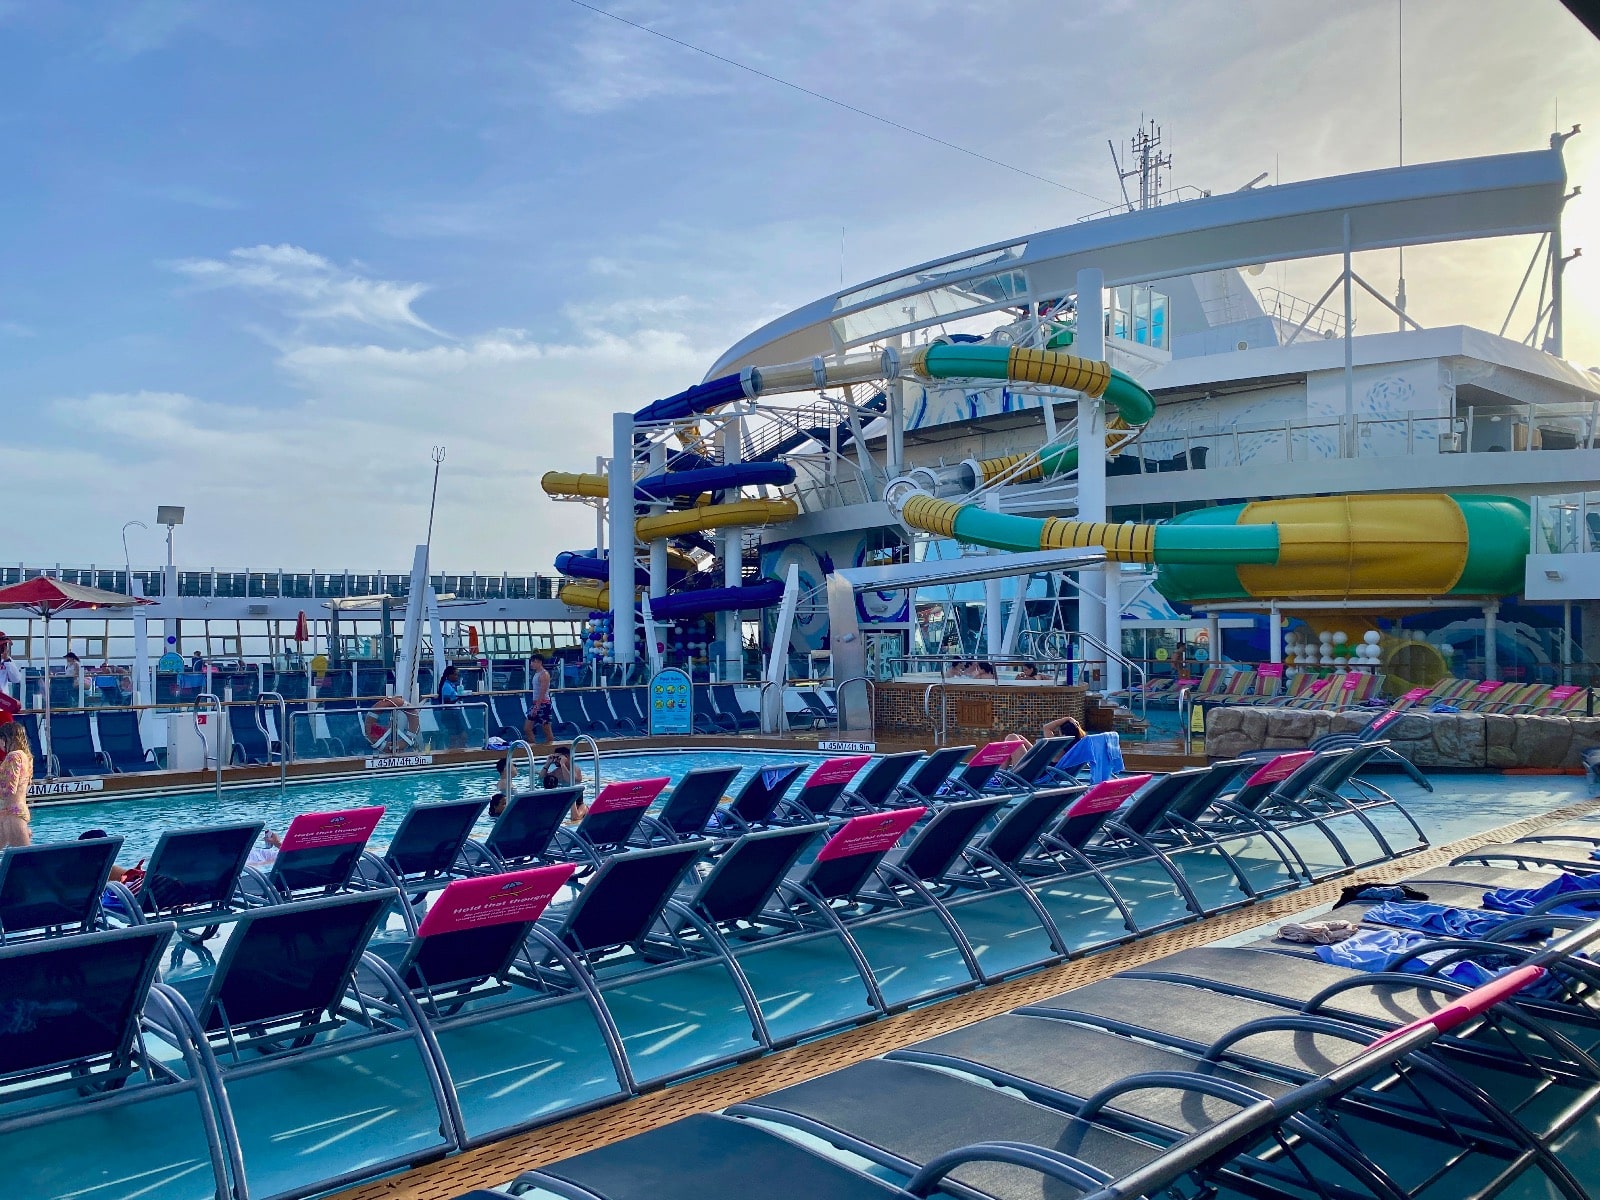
x=760, y=594
x=702, y=397
x=712, y=479
x=586, y=564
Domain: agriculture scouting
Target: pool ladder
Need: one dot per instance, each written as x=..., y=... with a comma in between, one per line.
x=594, y=748
x=201, y=703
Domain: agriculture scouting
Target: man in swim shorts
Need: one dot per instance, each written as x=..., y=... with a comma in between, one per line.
x=540, y=711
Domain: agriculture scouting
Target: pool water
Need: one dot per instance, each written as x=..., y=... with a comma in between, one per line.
x=140, y=822
x=1459, y=805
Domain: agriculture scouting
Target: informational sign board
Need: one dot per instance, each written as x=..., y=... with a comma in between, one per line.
x=671, y=703
x=310, y=830
x=494, y=899
x=871, y=834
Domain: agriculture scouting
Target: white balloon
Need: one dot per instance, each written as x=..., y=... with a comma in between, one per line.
x=1340, y=637
x=1371, y=637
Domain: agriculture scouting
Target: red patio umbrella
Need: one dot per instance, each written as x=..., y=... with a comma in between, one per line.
x=46, y=597
x=302, y=631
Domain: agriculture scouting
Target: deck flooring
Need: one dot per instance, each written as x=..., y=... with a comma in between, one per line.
x=497, y=1162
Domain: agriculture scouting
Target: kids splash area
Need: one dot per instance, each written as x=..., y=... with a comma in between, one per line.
x=1058, y=721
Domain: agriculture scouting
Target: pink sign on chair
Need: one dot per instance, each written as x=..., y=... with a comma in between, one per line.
x=624, y=794
x=1564, y=692
x=1316, y=686
x=870, y=834
x=837, y=771
x=1352, y=681
x=1270, y=670
x=309, y=831
x=995, y=753
x=1281, y=768
x=1416, y=694
x=1103, y=797
x=494, y=899
x=1487, y=686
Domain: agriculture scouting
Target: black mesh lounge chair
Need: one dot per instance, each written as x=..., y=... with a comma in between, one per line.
x=72, y=745
x=74, y=1057
x=727, y=703
x=347, y=731
x=612, y=820
x=56, y=888
x=622, y=901
x=614, y=704
x=525, y=832
x=426, y=850
x=824, y=789
x=321, y=851
x=689, y=807
x=703, y=1156
x=507, y=715
x=120, y=743
x=597, y=718
x=1033, y=768
x=759, y=797
x=708, y=718
x=473, y=932
x=630, y=703
x=924, y=785
x=983, y=768
x=192, y=876
x=279, y=1018
x=746, y=876
x=30, y=726
x=817, y=712
x=875, y=787
x=568, y=715
x=251, y=744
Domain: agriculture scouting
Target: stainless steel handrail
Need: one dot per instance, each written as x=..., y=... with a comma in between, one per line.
x=511, y=766
x=282, y=705
x=199, y=729
x=942, y=732
x=1183, y=719
x=595, y=749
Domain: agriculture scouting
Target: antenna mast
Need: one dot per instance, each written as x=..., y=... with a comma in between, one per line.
x=1145, y=163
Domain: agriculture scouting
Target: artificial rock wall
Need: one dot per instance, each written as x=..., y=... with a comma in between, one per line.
x=1460, y=740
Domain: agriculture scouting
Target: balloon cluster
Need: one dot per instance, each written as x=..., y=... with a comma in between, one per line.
x=1335, y=649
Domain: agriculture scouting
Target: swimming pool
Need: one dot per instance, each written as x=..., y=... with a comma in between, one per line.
x=1459, y=805
x=140, y=821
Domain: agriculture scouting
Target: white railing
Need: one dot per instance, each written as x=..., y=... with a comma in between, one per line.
x=1472, y=430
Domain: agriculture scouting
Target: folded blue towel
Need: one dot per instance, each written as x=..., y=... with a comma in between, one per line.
x=1522, y=900
x=1442, y=707
x=1439, y=920
x=1381, y=892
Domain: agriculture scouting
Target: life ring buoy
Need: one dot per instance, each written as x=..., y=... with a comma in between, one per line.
x=390, y=723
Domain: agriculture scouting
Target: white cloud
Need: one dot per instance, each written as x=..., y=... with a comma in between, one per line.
x=17, y=329
x=611, y=67
x=313, y=288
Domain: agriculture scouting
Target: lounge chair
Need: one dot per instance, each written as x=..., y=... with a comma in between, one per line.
x=55, y=888
x=192, y=877
x=506, y=716
x=613, y=703
x=570, y=720
x=86, y=1107
x=1033, y=769
x=612, y=820
x=708, y=718
x=759, y=798
x=825, y=789
x=320, y=852
x=631, y=704
x=347, y=731
x=72, y=746
x=120, y=743
x=30, y=726
x=251, y=743
x=426, y=850
x=875, y=787
x=517, y=1045
x=726, y=701
x=304, y=1059
x=687, y=811
x=597, y=718
x=617, y=908
x=926, y=784
x=524, y=834
x=822, y=713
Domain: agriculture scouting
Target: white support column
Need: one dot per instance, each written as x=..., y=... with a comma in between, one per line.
x=1347, y=437
x=1213, y=640
x=732, y=558
x=894, y=446
x=1275, y=634
x=658, y=547
x=144, y=691
x=1093, y=612
x=993, y=630
x=1491, y=652
x=619, y=501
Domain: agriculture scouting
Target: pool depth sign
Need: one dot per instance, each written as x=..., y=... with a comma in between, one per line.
x=671, y=703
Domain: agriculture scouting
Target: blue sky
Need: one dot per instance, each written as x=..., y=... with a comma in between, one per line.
x=257, y=258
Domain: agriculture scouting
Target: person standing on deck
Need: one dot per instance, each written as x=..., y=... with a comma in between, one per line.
x=16, y=773
x=541, y=712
